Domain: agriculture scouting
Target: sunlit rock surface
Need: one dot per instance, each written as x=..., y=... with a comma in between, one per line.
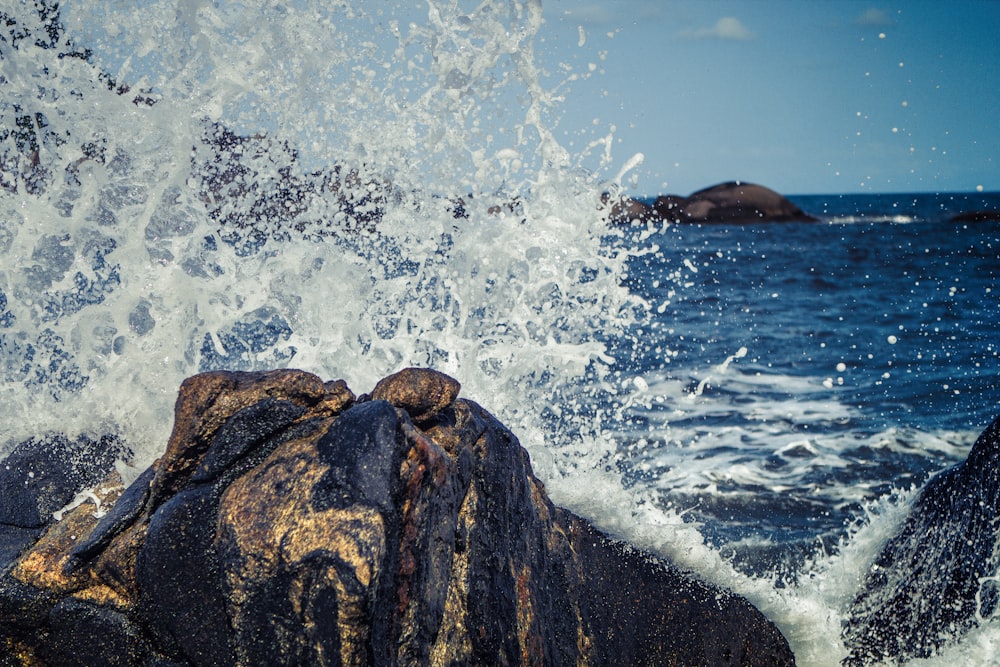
x=290, y=523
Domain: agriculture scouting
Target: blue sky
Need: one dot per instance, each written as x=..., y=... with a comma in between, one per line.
x=806, y=97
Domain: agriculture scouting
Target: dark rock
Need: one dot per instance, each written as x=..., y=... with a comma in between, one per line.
x=23, y=605
x=84, y=634
x=740, y=202
x=362, y=457
x=626, y=210
x=934, y=580
x=289, y=524
x=670, y=207
x=976, y=216
x=41, y=476
x=179, y=580
x=13, y=539
x=702, y=618
x=735, y=202
x=246, y=431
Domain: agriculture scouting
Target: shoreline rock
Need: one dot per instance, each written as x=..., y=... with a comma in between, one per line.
x=291, y=522
x=936, y=578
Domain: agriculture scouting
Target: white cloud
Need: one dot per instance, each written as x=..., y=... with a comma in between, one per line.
x=727, y=27
x=873, y=17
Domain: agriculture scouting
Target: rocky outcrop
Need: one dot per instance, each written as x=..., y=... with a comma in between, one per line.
x=41, y=477
x=740, y=202
x=735, y=202
x=936, y=578
x=976, y=216
x=290, y=523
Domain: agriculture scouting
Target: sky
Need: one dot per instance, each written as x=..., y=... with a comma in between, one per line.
x=824, y=96
x=803, y=96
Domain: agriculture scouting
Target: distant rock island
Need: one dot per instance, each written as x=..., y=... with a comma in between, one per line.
x=735, y=202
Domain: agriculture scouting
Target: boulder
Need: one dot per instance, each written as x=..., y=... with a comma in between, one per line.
x=936, y=578
x=740, y=202
x=290, y=522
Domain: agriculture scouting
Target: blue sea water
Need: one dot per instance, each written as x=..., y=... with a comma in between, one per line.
x=863, y=355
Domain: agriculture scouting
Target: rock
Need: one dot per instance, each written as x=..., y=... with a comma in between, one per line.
x=735, y=202
x=291, y=523
x=40, y=476
x=626, y=210
x=670, y=207
x=935, y=579
x=740, y=202
x=422, y=393
x=976, y=216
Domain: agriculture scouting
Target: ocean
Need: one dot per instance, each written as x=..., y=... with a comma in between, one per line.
x=350, y=191
x=812, y=367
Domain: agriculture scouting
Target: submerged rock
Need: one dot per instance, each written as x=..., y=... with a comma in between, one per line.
x=976, y=216
x=291, y=523
x=936, y=578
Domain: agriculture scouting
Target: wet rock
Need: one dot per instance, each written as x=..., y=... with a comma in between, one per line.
x=423, y=393
x=289, y=523
x=40, y=476
x=84, y=633
x=976, y=216
x=935, y=579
